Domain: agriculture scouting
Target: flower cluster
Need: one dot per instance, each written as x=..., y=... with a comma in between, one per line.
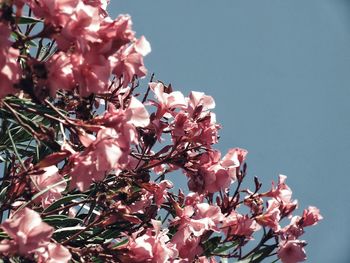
x=30, y=235
x=88, y=159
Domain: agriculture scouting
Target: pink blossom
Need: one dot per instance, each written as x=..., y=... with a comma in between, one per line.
x=53, y=253
x=125, y=120
x=311, y=216
x=283, y=194
x=9, y=72
x=239, y=225
x=162, y=192
x=271, y=217
x=293, y=230
x=113, y=34
x=199, y=99
x=9, y=67
x=137, y=113
x=91, y=72
x=192, y=224
x=128, y=61
x=166, y=102
x=81, y=29
x=102, y=155
x=100, y=4
x=207, y=216
x=152, y=247
x=111, y=147
x=49, y=177
x=189, y=247
x=142, y=203
x=193, y=198
x=5, y=42
x=56, y=12
x=200, y=130
x=60, y=73
x=27, y=232
x=292, y=251
x=216, y=174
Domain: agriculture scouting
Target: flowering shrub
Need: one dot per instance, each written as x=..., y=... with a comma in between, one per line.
x=86, y=155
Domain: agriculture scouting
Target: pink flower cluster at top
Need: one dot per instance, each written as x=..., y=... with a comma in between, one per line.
x=91, y=47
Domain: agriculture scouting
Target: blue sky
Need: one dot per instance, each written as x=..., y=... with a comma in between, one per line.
x=279, y=71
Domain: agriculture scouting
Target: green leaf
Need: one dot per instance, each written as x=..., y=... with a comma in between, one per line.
x=211, y=245
x=259, y=255
x=28, y=20
x=62, y=221
x=15, y=150
x=3, y=193
x=3, y=235
x=31, y=43
x=111, y=233
x=121, y=243
x=224, y=248
x=63, y=200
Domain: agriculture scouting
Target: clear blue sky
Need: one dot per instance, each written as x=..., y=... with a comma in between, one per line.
x=279, y=71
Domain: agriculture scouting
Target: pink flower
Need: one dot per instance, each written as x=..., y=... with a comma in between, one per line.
x=91, y=72
x=27, y=233
x=192, y=224
x=161, y=192
x=153, y=246
x=239, y=225
x=81, y=29
x=283, y=194
x=9, y=67
x=292, y=231
x=113, y=35
x=292, y=251
x=202, y=130
x=57, y=12
x=49, y=177
x=60, y=73
x=199, y=99
x=271, y=217
x=217, y=175
x=311, y=216
x=207, y=217
x=188, y=248
x=101, y=4
x=54, y=253
x=102, y=155
x=136, y=113
x=9, y=72
x=128, y=61
x=142, y=203
x=166, y=102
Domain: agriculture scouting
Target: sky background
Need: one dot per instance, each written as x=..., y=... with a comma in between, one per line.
x=279, y=71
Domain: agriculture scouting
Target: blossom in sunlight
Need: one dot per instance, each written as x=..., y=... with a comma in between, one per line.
x=49, y=177
x=292, y=251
